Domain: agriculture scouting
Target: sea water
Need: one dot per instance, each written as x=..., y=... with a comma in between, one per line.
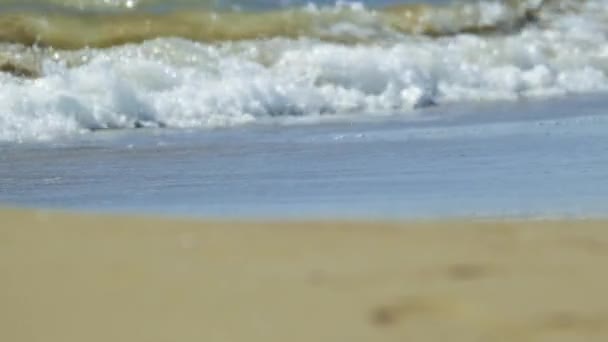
x=306, y=109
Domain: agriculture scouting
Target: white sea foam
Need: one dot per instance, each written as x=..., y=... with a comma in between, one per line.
x=178, y=83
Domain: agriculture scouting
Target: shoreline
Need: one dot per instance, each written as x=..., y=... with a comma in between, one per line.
x=74, y=277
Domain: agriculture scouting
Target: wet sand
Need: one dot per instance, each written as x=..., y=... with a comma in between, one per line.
x=99, y=278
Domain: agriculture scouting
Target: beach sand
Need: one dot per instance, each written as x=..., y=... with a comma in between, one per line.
x=68, y=278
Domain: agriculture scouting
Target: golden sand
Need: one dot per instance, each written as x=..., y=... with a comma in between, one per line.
x=71, y=278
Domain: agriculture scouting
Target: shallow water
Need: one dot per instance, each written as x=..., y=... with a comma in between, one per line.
x=533, y=159
x=286, y=108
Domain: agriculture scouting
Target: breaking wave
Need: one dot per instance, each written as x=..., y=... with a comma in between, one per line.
x=67, y=72
x=346, y=23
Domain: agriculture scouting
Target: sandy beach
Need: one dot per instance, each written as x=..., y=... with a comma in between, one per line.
x=68, y=278
x=190, y=160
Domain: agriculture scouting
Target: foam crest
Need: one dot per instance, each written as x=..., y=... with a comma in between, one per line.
x=170, y=82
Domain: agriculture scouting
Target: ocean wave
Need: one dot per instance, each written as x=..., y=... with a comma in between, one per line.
x=344, y=23
x=176, y=82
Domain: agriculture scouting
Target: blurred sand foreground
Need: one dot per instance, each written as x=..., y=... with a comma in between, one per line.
x=69, y=278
